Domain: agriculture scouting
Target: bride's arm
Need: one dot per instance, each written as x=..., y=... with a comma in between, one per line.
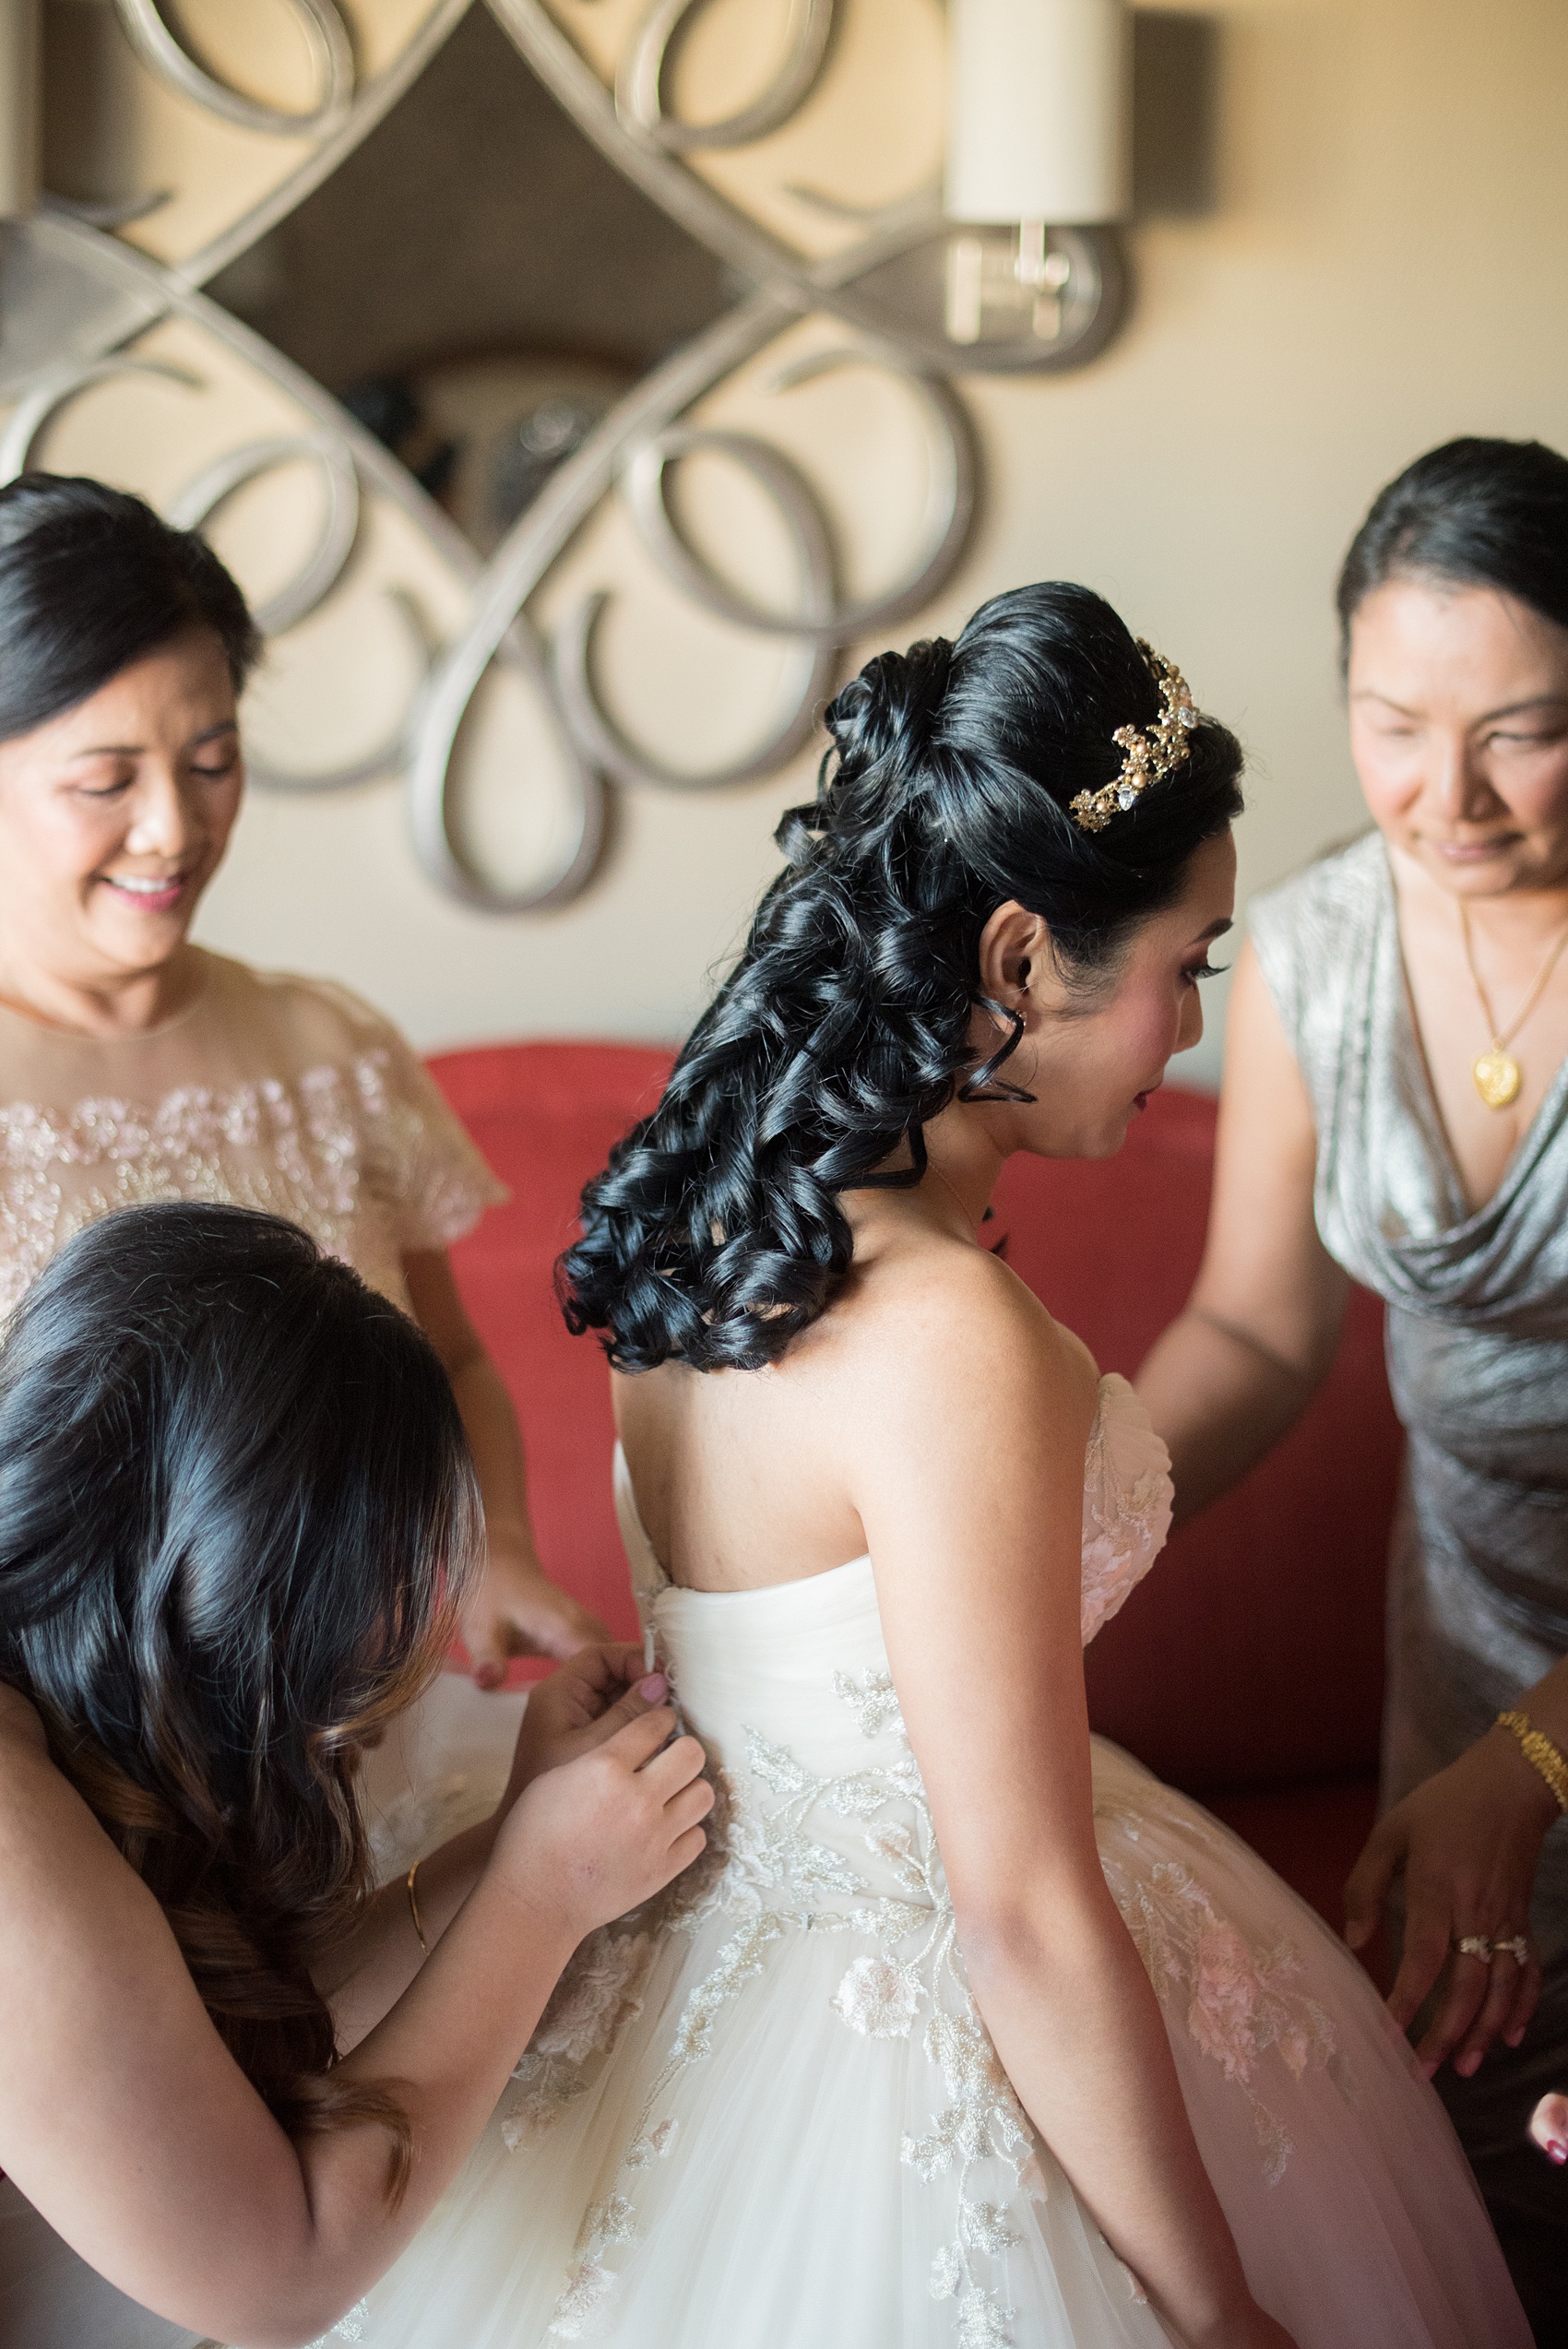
x=970, y=1489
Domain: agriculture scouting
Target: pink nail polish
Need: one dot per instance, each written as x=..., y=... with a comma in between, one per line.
x=1557, y=2150
x=653, y=1688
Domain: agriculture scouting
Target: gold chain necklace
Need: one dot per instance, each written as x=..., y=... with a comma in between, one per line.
x=1497, y=1073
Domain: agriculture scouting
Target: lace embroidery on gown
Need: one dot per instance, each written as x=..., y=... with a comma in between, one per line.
x=767, y=1869
x=283, y=1094
x=764, y=2112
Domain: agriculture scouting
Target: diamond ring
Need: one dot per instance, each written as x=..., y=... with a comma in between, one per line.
x=1475, y=1945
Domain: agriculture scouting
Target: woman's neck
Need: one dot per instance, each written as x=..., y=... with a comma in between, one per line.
x=963, y=1161
x=121, y=1004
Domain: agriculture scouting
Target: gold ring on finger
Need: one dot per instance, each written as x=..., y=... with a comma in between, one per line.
x=1516, y=1947
x=1475, y=1945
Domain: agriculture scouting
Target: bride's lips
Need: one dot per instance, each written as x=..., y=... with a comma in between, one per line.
x=149, y=893
x=1141, y=1100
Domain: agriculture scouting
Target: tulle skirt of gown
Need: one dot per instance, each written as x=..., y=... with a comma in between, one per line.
x=763, y=2112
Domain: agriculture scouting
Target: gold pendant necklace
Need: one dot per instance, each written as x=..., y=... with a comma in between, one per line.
x=1497, y=1073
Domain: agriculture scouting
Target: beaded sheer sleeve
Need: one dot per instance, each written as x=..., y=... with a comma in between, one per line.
x=266, y=1091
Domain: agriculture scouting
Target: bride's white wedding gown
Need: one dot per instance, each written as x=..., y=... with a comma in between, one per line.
x=763, y=2112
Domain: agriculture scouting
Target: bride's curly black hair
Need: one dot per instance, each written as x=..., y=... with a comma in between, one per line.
x=714, y=1235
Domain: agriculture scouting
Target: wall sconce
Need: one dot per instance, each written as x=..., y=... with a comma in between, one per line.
x=20, y=43
x=1038, y=138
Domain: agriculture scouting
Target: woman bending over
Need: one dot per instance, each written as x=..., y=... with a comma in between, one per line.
x=237, y=1518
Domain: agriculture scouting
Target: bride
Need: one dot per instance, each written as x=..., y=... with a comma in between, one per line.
x=967, y=2031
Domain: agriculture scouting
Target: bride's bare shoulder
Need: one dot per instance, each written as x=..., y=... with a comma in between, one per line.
x=951, y=1313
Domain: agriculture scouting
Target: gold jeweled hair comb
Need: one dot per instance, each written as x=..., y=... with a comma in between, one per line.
x=1151, y=756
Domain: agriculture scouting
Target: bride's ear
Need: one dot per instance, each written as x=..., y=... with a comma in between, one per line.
x=1016, y=969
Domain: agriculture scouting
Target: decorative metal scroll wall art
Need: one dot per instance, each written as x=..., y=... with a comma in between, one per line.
x=83, y=307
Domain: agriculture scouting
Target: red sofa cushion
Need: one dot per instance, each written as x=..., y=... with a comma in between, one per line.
x=545, y=1116
x=1253, y=1657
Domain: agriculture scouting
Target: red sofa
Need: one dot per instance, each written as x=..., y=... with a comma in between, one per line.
x=1248, y=1669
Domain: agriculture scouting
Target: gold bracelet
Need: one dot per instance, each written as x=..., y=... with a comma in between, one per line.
x=1539, y=1752
x=414, y=1907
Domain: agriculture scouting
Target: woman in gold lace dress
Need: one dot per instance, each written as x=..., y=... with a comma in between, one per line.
x=135, y=1066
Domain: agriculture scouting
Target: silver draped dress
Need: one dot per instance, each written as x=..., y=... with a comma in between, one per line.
x=1476, y=1339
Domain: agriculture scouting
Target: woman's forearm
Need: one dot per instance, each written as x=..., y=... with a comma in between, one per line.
x=490, y=1425
x=446, y=2051
x=1221, y=1400
x=1081, y=2038
x=369, y=1972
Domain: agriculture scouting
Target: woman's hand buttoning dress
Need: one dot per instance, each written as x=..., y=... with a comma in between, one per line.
x=237, y=1516
x=135, y=1066
x=964, y=2032
x=1395, y=1110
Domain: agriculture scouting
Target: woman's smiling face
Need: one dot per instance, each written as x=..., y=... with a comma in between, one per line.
x=1459, y=730
x=113, y=818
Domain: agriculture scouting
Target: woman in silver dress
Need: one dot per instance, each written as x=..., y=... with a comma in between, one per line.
x=1396, y=1112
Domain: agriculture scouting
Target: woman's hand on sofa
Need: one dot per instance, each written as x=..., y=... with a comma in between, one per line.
x=1467, y=1843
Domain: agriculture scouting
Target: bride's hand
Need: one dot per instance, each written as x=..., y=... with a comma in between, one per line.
x=597, y=1836
x=578, y=1707
x=1468, y=1842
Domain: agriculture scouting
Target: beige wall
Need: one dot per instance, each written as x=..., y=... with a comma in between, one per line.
x=1384, y=267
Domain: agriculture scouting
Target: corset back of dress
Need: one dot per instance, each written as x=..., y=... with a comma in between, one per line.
x=790, y=1689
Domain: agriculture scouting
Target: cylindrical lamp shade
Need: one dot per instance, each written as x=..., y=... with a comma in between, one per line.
x=1039, y=96
x=21, y=99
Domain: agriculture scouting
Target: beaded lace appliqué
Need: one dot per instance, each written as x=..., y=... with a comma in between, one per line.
x=1241, y=2001
x=1126, y=1517
x=779, y=1862
x=336, y=1150
x=777, y=1878
x=348, y=2328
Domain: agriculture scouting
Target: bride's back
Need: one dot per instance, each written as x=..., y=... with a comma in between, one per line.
x=749, y=1477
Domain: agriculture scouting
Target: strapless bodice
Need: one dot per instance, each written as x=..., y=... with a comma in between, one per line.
x=1127, y=1496
x=788, y=1685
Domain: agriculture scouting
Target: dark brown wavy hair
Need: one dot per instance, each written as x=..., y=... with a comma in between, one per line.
x=237, y=1517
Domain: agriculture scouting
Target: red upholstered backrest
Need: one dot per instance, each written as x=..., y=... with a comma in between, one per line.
x=1254, y=1653
x=545, y=1116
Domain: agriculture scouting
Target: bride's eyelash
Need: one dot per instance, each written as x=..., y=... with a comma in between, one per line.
x=1206, y=969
